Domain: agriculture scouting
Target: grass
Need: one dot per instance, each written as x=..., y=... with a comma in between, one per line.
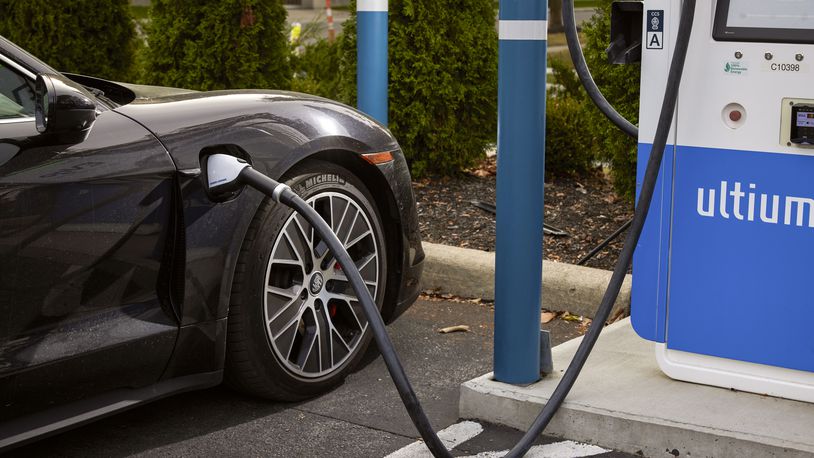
x=585, y=3
x=561, y=55
x=140, y=13
x=577, y=3
x=558, y=39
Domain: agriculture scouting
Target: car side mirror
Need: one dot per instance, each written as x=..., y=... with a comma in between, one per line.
x=63, y=108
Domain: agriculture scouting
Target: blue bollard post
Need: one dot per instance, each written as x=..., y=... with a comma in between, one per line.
x=521, y=164
x=371, y=48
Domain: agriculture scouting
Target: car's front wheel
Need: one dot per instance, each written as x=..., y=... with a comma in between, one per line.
x=295, y=326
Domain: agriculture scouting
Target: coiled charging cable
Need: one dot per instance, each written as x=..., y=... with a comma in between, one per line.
x=581, y=67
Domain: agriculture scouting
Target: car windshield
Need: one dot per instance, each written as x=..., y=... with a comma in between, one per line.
x=9, y=109
x=16, y=94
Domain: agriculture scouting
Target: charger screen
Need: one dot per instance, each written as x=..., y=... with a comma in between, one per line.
x=764, y=21
x=805, y=119
x=802, y=126
x=771, y=14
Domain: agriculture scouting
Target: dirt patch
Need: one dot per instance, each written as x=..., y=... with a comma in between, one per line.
x=587, y=209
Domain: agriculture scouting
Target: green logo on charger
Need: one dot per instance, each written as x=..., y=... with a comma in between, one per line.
x=735, y=68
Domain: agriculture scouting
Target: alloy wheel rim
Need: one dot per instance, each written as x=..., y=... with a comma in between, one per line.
x=314, y=321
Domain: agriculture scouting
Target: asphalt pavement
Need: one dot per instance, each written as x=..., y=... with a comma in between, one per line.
x=361, y=418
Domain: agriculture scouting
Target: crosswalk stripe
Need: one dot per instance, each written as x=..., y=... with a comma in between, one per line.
x=565, y=449
x=451, y=436
x=459, y=433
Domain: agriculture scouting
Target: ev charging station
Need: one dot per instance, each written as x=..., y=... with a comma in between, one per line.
x=721, y=264
x=722, y=273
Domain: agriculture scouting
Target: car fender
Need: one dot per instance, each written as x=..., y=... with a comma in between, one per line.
x=274, y=131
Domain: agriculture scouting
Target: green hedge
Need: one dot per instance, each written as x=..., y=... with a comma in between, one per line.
x=317, y=69
x=218, y=44
x=443, y=80
x=566, y=151
x=91, y=37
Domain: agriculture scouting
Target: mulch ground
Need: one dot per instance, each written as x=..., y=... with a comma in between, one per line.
x=587, y=209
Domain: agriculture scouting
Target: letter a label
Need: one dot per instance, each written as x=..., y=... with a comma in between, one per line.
x=655, y=29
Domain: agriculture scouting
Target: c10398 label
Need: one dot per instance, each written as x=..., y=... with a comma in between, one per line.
x=785, y=68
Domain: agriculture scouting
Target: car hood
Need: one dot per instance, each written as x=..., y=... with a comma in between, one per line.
x=143, y=91
x=186, y=122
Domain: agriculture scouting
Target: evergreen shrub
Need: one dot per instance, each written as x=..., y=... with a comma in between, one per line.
x=316, y=70
x=566, y=152
x=443, y=80
x=91, y=37
x=218, y=44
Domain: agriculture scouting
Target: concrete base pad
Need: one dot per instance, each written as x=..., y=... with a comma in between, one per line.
x=623, y=401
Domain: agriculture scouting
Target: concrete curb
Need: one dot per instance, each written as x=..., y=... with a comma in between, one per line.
x=624, y=402
x=471, y=273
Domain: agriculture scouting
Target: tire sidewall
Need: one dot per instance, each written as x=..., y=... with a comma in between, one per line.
x=306, y=181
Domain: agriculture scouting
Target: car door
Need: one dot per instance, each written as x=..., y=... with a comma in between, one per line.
x=84, y=230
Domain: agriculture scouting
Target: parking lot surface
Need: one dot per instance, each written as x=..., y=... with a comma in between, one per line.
x=361, y=418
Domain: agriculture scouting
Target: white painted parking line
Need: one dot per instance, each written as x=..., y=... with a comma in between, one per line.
x=451, y=436
x=565, y=449
x=459, y=433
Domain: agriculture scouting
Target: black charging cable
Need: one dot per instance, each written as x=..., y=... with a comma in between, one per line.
x=581, y=67
x=626, y=256
x=283, y=194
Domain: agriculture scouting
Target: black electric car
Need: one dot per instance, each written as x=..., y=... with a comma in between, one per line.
x=121, y=281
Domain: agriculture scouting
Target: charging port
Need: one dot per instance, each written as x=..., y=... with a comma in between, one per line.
x=626, y=32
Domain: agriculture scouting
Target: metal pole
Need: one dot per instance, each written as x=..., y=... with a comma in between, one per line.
x=371, y=46
x=523, y=33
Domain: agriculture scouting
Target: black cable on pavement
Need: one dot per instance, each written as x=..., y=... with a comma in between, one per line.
x=604, y=243
x=391, y=359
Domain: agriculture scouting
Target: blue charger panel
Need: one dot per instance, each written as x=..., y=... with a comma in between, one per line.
x=649, y=295
x=741, y=280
